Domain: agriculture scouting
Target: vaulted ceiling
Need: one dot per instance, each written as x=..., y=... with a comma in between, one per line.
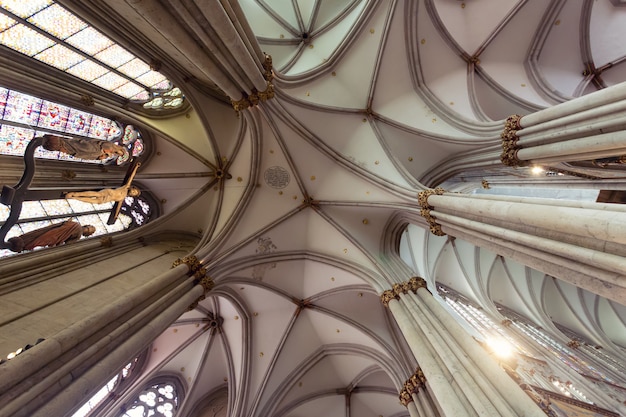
x=372, y=99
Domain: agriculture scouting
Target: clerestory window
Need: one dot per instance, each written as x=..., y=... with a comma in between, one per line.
x=45, y=31
x=24, y=117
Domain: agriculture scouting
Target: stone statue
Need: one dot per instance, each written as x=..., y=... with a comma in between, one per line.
x=83, y=148
x=53, y=235
x=106, y=195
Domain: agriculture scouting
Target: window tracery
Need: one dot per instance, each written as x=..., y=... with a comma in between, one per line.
x=45, y=31
x=158, y=399
x=23, y=117
x=113, y=386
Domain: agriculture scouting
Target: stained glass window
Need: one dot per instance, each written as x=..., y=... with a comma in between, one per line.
x=23, y=117
x=159, y=399
x=112, y=387
x=45, y=31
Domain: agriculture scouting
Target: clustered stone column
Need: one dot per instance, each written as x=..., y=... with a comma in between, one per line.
x=219, y=41
x=456, y=373
x=54, y=376
x=581, y=243
x=590, y=127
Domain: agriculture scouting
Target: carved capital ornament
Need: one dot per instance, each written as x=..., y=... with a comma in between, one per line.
x=412, y=386
x=255, y=97
x=509, y=142
x=198, y=271
x=413, y=284
x=422, y=200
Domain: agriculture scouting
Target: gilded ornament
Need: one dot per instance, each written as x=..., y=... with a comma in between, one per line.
x=255, y=97
x=422, y=199
x=509, y=142
x=573, y=344
x=405, y=398
x=87, y=100
x=387, y=296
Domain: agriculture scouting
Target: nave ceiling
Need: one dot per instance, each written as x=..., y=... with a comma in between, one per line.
x=370, y=106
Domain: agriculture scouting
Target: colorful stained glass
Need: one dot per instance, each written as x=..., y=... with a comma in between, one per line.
x=130, y=134
x=25, y=40
x=4, y=93
x=55, y=207
x=123, y=158
x=13, y=140
x=114, y=56
x=129, y=90
x=22, y=108
x=78, y=122
x=57, y=21
x=24, y=8
x=101, y=128
x=138, y=147
x=87, y=70
x=53, y=116
x=6, y=22
x=89, y=41
x=59, y=57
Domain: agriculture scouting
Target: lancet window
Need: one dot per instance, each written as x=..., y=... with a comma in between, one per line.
x=110, y=390
x=157, y=399
x=504, y=343
x=45, y=31
x=24, y=117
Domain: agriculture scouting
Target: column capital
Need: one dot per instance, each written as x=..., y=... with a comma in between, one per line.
x=199, y=273
x=422, y=200
x=387, y=296
x=413, y=284
x=412, y=386
x=255, y=97
x=509, y=142
x=191, y=261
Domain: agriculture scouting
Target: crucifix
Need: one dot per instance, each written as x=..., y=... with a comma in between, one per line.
x=16, y=195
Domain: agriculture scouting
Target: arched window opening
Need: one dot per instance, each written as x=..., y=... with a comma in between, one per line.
x=47, y=32
x=157, y=399
x=113, y=389
x=503, y=343
x=24, y=116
